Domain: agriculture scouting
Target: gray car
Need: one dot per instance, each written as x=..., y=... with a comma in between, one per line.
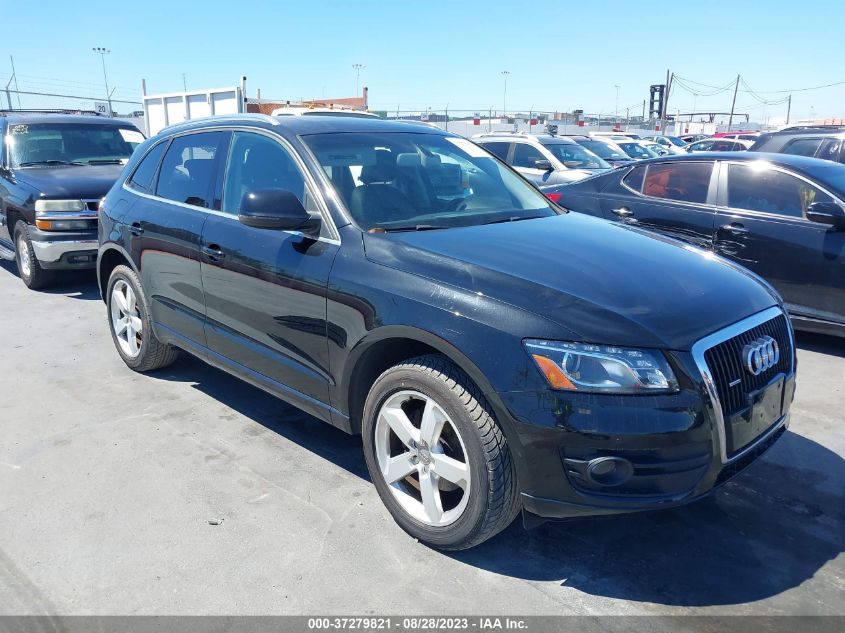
x=543, y=158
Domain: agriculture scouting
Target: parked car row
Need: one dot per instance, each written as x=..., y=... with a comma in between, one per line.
x=779, y=215
x=404, y=283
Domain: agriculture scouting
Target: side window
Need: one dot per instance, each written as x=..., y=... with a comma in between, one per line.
x=703, y=146
x=258, y=162
x=634, y=179
x=525, y=155
x=771, y=191
x=803, y=146
x=142, y=179
x=499, y=149
x=722, y=146
x=682, y=181
x=189, y=168
x=829, y=149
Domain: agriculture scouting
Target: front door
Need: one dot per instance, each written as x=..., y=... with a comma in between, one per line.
x=265, y=290
x=762, y=225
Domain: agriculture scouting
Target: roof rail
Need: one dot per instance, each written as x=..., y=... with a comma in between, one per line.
x=4, y=112
x=799, y=128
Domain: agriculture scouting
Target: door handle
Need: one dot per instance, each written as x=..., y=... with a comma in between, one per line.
x=622, y=212
x=213, y=252
x=734, y=228
x=136, y=229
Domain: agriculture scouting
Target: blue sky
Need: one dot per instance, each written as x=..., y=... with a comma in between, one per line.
x=561, y=55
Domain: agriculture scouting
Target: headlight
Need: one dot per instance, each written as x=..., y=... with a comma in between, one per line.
x=52, y=206
x=602, y=368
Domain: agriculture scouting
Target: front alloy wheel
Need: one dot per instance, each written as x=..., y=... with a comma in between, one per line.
x=439, y=460
x=424, y=463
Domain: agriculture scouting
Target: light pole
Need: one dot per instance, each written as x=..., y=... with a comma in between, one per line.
x=505, y=74
x=358, y=68
x=616, y=110
x=102, y=52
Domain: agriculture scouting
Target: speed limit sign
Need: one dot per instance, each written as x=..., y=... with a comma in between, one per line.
x=101, y=107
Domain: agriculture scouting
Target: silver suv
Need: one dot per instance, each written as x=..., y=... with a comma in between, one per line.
x=544, y=159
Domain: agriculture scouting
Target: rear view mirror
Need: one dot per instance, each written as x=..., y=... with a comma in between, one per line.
x=826, y=213
x=545, y=165
x=276, y=209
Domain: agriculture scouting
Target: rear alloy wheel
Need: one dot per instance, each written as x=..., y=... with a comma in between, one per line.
x=436, y=455
x=131, y=328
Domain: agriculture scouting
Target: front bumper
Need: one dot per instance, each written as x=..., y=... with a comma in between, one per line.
x=669, y=447
x=64, y=249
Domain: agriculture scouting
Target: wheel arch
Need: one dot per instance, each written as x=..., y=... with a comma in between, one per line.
x=390, y=345
x=110, y=257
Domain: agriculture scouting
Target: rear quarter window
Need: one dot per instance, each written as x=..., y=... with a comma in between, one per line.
x=142, y=178
x=634, y=179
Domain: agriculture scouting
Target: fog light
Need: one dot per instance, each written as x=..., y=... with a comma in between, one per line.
x=609, y=471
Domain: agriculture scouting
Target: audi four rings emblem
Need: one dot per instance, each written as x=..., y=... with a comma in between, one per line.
x=760, y=355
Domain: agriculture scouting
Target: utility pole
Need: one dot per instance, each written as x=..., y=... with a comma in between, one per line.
x=358, y=68
x=788, y=109
x=185, y=83
x=15, y=77
x=733, y=104
x=616, y=109
x=665, y=109
x=102, y=52
x=505, y=74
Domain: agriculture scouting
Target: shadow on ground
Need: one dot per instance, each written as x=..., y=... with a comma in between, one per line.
x=75, y=284
x=821, y=343
x=765, y=532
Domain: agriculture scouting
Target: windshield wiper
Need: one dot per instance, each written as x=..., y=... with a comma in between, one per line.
x=416, y=227
x=516, y=218
x=29, y=163
x=106, y=161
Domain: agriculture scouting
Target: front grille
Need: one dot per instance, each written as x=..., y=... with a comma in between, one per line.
x=726, y=365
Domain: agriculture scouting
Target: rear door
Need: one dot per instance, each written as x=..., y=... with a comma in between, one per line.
x=762, y=225
x=265, y=290
x=673, y=198
x=165, y=229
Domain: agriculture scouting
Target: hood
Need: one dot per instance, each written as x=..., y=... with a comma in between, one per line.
x=604, y=282
x=71, y=181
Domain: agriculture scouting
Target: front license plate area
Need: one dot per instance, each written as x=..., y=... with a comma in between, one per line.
x=765, y=407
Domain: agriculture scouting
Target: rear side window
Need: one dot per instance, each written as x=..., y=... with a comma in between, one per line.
x=771, y=191
x=829, y=149
x=723, y=146
x=525, y=155
x=142, y=179
x=803, y=146
x=188, y=171
x=634, y=179
x=682, y=181
x=500, y=150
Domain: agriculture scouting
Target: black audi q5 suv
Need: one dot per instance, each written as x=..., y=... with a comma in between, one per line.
x=496, y=353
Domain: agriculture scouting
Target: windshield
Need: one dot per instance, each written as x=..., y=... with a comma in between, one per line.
x=635, y=150
x=70, y=143
x=576, y=157
x=416, y=181
x=605, y=150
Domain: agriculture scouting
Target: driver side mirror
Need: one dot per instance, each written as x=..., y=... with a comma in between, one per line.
x=545, y=165
x=277, y=209
x=826, y=213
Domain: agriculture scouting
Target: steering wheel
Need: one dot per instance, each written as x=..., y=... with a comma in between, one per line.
x=457, y=204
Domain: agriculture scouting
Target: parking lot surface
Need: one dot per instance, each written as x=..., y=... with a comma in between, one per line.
x=189, y=492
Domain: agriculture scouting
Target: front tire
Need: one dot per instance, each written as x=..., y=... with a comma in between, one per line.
x=131, y=326
x=437, y=456
x=31, y=273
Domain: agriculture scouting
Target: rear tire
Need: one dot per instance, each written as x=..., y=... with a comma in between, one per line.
x=31, y=273
x=131, y=326
x=437, y=456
